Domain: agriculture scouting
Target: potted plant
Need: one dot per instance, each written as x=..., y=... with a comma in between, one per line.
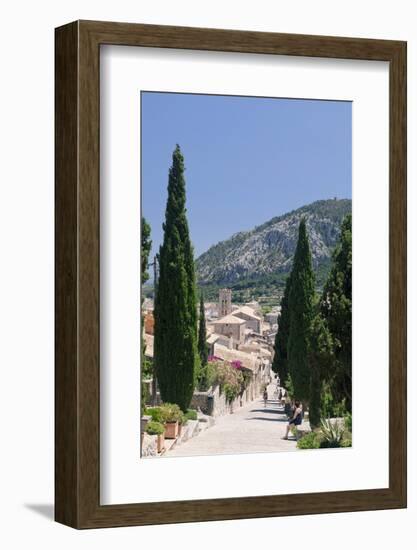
x=155, y=413
x=171, y=414
x=158, y=429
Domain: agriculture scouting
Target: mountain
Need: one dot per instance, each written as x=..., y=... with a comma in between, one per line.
x=269, y=248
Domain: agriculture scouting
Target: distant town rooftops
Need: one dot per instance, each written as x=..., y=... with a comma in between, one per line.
x=148, y=304
x=248, y=360
x=149, y=339
x=246, y=310
x=213, y=338
x=229, y=320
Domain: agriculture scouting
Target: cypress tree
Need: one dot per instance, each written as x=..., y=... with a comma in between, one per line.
x=321, y=359
x=146, y=245
x=336, y=308
x=202, y=344
x=301, y=308
x=175, y=347
x=280, y=362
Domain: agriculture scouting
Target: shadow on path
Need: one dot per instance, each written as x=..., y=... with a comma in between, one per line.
x=266, y=410
x=268, y=419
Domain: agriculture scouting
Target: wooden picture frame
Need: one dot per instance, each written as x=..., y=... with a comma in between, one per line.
x=77, y=358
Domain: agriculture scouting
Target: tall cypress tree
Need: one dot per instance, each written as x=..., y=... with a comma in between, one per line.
x=202, y=334
x=280, y=362
x=301, y=306
x=146, y=245
x=175, y=347
x=321, y=360
x=336, y=308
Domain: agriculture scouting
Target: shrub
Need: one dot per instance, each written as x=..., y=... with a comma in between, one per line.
x=231, y=377
x=191, y=414
x=332, y=434
x=144, y=397
x=155, y=413
x=155, y=428
x=340, y=408
x=309, y=441
x=182, y=419
x=327, y=403
x=348, y=421
x=231, y=391
x=246, y=379
x=347, y=442
x=206, y=376
x=170, y=412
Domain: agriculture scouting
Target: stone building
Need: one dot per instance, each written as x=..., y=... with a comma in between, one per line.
x=225, y=302
x=231, y=326
x=272, y=317
x=149, y=322
x=252, y=320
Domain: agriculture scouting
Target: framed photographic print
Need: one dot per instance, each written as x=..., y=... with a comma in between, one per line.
x=230, y=274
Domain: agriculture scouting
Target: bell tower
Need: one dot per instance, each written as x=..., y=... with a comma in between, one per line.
x=225, y=302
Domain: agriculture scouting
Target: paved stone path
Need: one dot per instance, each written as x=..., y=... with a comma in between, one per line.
x=252, y=428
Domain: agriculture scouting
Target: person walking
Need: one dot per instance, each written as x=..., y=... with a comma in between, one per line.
x=280, y=397
x=265, y=396
x=296, y=418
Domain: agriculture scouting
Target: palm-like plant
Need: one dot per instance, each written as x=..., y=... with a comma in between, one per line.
x=332, y=433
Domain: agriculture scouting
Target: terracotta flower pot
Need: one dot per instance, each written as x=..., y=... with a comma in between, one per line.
x=160, y=443
x=171, y=430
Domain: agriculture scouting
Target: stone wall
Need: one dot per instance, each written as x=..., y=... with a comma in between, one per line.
x=213, y=402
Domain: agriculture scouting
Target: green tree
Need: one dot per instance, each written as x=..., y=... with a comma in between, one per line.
x=301, y=307
x=146, y=245
x=280, y=362
x=336, y=308
x=321, y=359
x=202, y=334
x=175, y=348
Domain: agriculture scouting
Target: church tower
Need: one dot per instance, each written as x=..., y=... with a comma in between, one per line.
x=225, y=302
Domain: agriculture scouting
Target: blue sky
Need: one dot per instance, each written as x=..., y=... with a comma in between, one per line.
x=247, y=159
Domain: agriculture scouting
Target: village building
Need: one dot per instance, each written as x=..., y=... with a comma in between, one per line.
x=218, y=339
x=272, y=317
x=149, y=341
x=149, y=322
x=231, y=326
x=255, y=306
x=253, y=321
x=250, y=361
x=147, y=304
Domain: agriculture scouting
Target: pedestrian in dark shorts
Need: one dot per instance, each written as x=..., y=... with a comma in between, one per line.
x=296, y=418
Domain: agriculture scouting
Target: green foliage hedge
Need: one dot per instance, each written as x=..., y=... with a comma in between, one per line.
x=167, y=412
x=155, y=428
x=191, y=414
x=309, y=441
x=154, y=413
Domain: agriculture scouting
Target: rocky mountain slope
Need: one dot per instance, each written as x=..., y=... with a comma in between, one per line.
x=269, y=248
